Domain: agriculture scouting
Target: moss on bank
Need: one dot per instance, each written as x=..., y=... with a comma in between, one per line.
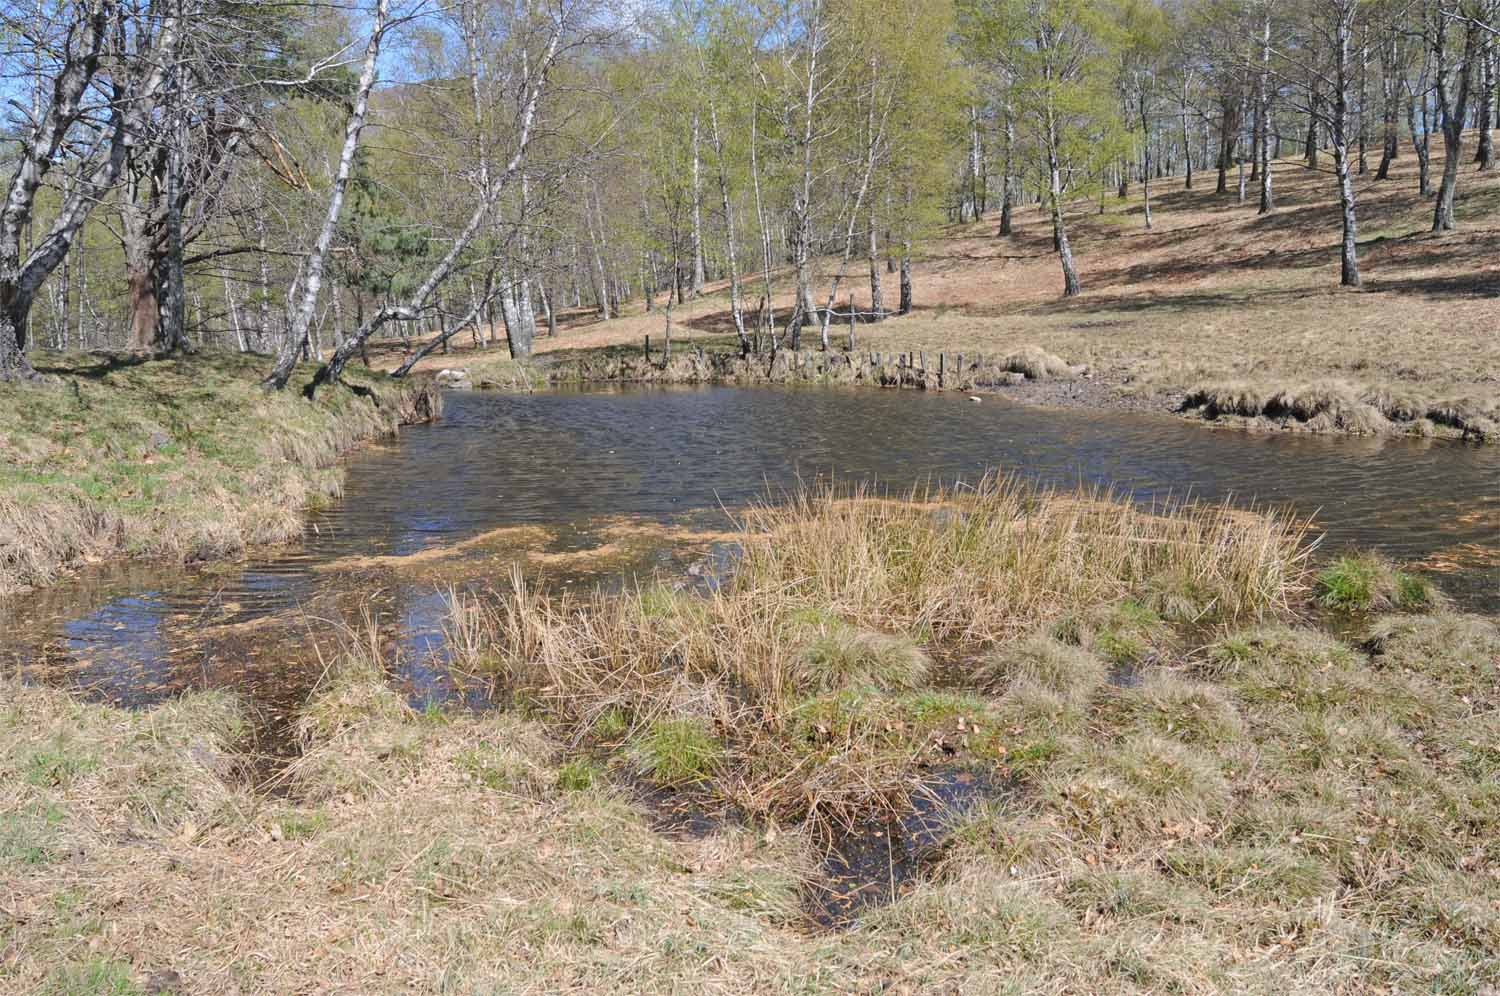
x=185, y=457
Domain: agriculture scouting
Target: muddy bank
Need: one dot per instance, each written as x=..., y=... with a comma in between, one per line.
x=915, y=371
x=1340, y=407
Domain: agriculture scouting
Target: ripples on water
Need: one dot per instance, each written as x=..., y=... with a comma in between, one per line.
x=134, y=633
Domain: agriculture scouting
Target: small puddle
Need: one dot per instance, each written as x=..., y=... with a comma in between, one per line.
x=879, y=859
x=1127, y=674
x=685, y=813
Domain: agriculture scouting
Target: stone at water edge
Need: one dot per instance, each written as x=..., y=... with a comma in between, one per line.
x=975, y=398
x=456, y=379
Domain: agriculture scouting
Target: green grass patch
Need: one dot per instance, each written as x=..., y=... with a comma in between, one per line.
x=676, y=751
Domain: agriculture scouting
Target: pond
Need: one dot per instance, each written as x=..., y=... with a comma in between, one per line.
x=562, y=481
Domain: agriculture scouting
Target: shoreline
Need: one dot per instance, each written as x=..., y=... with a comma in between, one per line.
x=115, y=459
x=1029, y=376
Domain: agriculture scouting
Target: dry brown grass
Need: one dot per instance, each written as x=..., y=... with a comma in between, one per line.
x=1195, y=837
x=1277, y=811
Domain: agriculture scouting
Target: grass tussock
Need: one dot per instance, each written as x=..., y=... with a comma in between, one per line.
x=802, y=688
x=185, y=458
x=1038, y=364
x=1360, y=582
x=976, y=564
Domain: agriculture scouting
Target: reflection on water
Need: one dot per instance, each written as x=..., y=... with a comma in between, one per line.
x=133, y=632
x=119, y=652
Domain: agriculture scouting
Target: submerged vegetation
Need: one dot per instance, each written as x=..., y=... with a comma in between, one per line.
x=1254, y=806
x=185, y=458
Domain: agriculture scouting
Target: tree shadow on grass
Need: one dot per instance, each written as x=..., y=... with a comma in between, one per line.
x=104, y=364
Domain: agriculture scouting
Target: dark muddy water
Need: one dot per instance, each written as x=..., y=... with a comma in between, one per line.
x=571, y=461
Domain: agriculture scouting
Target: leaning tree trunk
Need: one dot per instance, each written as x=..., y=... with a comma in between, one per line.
x=295, y=340
x=736, y=308
x=1060, y=233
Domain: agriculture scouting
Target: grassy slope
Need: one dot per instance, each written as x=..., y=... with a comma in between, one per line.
x=1215, y=299
x=185, y=458
x=1270, y=811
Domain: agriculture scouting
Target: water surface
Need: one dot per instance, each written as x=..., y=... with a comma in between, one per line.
x=572, y=460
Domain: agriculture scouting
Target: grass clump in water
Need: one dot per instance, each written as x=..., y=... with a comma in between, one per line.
x=673, y=752
x=988, y=562
x=1362, y=582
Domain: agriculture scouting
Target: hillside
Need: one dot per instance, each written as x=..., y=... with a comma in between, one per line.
x=1214, y=303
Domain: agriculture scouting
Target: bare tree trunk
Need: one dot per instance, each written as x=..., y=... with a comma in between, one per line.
x=1228, y=127
x=735, y=307
x=295, y=340
x=1263, y=112
x=1485, y=155
x=1187, y=144
x=550, y=311
x=765, y=231
x=974, y=168
x=1006, y=222
x=1453, y=101
x=1388, y=101
x=877, y=301
x=874, y=142
x=1364, y=100
x=698, y=277
x=1419, y=142
x=231, y=307
x=1310, y=147
x=1145, y=154
x=171, y=334
x=597, y=275
x=1060, y=233
x=802, y=200
x=1343, y=25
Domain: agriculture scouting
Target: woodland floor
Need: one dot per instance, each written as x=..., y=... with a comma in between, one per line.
x=1213, y=298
